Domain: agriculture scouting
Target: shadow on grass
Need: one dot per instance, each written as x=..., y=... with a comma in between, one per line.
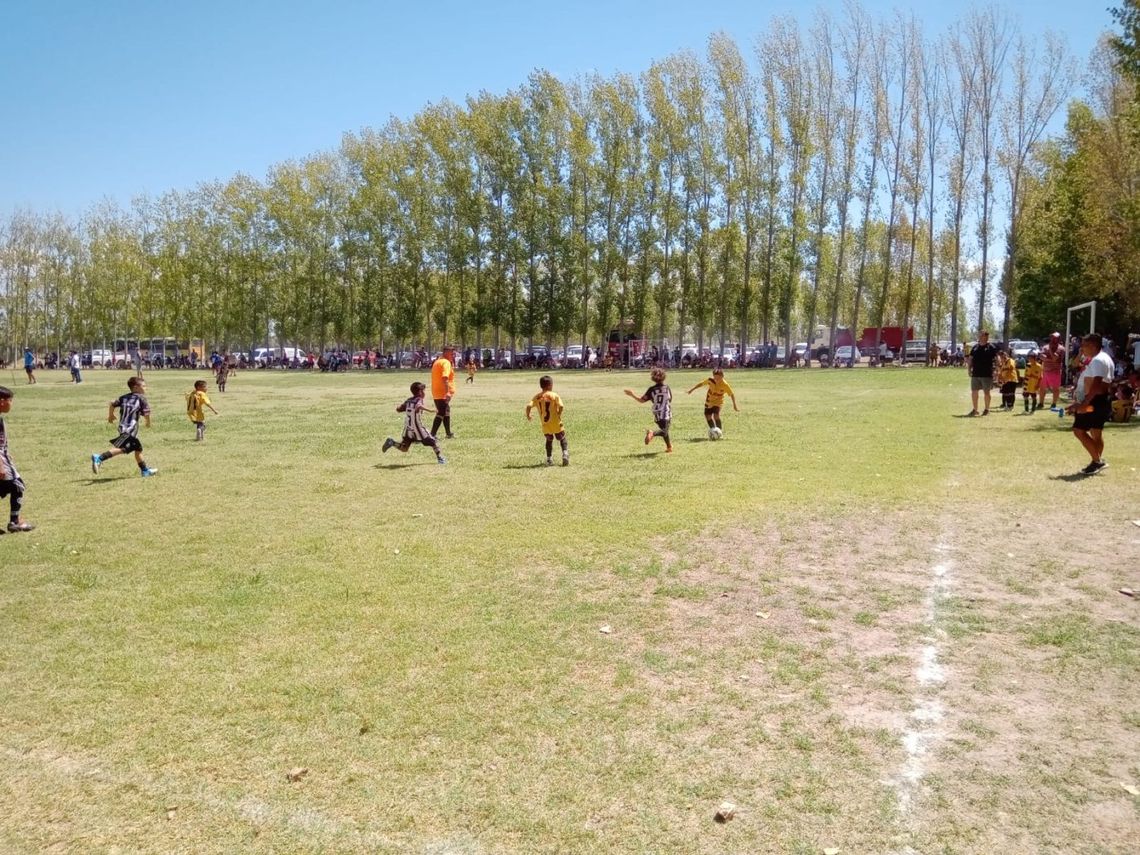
x=526, y=466
x=645, y=455
x=698, y=439
x=91, y=482
x=404, y=465
x=1073, y=478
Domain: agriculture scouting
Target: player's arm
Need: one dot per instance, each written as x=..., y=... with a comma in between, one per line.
x=111, y=413
x=695, y=388
x=734, y=407
x=641, y=399
x=401, y=407
x=528, y=409
x=212, y=410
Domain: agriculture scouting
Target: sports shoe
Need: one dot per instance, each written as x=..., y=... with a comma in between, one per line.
x=549, y=461
x=451, y=436
x=972, y=413
x=985, y=412
x=441, y=460
x=1100, y=464
x=648, y=437
x=1090, y=469
x=669, y=450
x=146, y=473
x=565, y=459
x=95, y=463
x=388, y=443
x=20, y=525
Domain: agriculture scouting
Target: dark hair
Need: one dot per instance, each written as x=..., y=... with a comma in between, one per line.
x=657, y=375
x=133, y=382
x=198, y=383
x=1093, y=338
x=546, y=381
x=6, y=393
x=417, y=388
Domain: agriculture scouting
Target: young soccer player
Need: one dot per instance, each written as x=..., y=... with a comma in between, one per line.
x=662, y=398
x=414, y=430
x=131, y=407
x=549, y=406
x=1033, y=373
x=197, y=402
x=714, y=398
x=11, y=484
x=1007, y=379
x=222, y=374
x=470, y=370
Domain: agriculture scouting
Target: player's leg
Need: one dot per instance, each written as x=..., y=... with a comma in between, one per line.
x=710, y=418
x=663, y=432
x=716, y=418
x=549, y=437
x=433, y=443
x=561, y=437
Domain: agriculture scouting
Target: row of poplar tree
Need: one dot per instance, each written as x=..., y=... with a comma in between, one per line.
x=844, y=173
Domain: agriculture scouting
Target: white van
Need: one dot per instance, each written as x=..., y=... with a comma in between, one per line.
x=260, y=354
x=102, y=358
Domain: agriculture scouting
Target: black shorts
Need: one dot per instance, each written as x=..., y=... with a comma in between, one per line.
x=442, y=407
x=663, y=424
x=126, y=442
x=29, y=369
x=712, y=411
x=1101, y=413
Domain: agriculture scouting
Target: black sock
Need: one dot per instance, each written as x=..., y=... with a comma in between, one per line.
x=435, y=425
x=447, y=425
x=549, y=445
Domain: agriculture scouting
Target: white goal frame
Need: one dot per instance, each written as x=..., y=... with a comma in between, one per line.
x=1069, y=327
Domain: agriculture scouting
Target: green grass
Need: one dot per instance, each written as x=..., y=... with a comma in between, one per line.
x=425, y=639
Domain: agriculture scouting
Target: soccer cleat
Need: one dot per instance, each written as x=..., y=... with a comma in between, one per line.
x=565, y=459
x=146, y=473
x=451, y=436
x=648, y=437
x=388, y=443
x=549, y=461
x=441, y=460
x=1100, y=464
x=1090, y=469
x=20, y=525
x=95, y=461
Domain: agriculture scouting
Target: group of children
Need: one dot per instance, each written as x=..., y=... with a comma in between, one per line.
x=549, y=406
x=133, y=411
x=1009, y=377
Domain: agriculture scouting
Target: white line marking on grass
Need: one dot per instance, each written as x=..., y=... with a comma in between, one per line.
x=923, y=729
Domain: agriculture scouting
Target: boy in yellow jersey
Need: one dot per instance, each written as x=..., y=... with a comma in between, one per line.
x=470, y=370
x=197, y=402
x=1007, y=378
x=1033, y=373
x=714, y=398
x=549, y=407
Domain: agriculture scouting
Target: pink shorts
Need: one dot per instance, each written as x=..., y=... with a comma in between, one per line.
x=1051, y=380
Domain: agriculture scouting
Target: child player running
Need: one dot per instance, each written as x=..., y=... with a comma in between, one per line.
x=662, y=398
x=549, y=407
x=197, y=402
x=131, y=407
x=11, y=485
x=414, y=430
x=714, y=398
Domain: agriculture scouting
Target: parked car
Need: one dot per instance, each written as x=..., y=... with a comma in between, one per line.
x=847, y=354
x=573, y=358
x=916, y=350
x=1019, y=348
x=799, y=349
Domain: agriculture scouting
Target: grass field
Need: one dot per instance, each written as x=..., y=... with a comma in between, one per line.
x=869, y=623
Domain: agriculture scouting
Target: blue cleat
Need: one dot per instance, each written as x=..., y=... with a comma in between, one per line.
x=95, y=461
x=146, y=473
x=441, y=460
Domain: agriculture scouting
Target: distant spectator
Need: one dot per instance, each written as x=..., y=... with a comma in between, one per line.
x=30, y=365
x=980, y=363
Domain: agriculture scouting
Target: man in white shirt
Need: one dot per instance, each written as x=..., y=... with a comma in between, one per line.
x=1093, y=405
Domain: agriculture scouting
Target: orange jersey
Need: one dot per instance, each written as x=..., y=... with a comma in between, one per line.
x=442, y=378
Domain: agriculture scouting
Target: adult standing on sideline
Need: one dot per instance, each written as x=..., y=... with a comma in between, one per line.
x=1052, y=362
x=442, y=389
x=1093, y=405
x=980, y=364
x=30, y=365
x=73, y=364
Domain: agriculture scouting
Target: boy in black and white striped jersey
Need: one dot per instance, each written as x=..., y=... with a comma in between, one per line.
x=414, y=430
x=132, y=407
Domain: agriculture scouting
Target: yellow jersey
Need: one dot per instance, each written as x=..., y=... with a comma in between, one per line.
x=717, y=390
x=1033, y=376
x=549, y=407
x=196, y=403
x=1007, y=371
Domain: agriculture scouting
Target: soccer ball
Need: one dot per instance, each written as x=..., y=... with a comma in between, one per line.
x=715, y=433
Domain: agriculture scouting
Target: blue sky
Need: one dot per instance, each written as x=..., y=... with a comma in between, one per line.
x=116, y=98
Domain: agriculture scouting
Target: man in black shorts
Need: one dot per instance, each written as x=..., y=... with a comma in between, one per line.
x=981, y=365
x=1093, y=404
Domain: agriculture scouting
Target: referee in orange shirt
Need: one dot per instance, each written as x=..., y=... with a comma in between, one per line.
x=442, y=389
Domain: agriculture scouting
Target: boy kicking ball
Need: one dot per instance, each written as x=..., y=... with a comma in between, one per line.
x=714, y=400
x=662, y=398
x=414, y=430
x=549, y=407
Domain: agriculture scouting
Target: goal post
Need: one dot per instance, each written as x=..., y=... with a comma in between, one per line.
x=1091, y=305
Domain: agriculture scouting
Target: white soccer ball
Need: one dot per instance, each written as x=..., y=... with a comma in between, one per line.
x=715, y=433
